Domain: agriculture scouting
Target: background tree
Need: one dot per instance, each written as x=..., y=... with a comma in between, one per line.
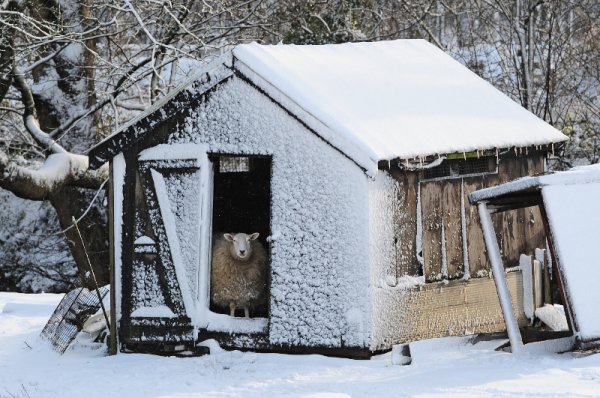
x=73, y=71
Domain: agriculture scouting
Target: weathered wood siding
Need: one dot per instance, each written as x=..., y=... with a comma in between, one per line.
x=444, y=202
x=406, y=225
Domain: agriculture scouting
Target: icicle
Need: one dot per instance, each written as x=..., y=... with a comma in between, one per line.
x=465, y=155
x=478, y=154
x=553, y=149
x=389, y=164
x=516, y=151
x=526, y=150
x=497, y=157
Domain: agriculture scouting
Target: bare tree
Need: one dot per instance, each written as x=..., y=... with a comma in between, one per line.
x=71, y=71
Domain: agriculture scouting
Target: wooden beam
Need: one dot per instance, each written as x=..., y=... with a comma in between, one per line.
x=112, y=344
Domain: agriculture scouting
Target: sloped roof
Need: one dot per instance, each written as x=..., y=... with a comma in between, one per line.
x=372, y=101
x=576, y=176
x=397, y=99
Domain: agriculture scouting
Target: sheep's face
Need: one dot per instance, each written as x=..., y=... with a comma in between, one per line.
x=241, y=246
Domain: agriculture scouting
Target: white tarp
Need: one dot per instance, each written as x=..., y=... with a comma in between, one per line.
x=574, y=216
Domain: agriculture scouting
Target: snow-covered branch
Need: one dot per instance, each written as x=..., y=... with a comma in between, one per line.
x=30, y=117
x=58, y=170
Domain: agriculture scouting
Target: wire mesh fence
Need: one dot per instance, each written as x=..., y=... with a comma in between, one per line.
x=69, y=316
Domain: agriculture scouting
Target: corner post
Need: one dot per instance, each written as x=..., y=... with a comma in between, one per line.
x=491, y=244
x=112, y=344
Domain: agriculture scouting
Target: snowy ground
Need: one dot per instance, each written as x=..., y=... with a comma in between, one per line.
x=444, y=367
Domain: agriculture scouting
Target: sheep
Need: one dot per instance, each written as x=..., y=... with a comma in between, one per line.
x=238, y=272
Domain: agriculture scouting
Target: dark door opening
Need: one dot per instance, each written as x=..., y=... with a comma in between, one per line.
x=242, y=203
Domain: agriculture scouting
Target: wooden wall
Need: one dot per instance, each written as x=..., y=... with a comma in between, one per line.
x=443, y=203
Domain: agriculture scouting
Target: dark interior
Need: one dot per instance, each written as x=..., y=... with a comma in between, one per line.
x=242, y=202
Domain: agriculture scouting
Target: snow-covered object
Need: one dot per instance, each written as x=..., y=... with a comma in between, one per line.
x=95, y=324
x=576, y=176
x=160, y=311
x=402, y=98
x=527, y=273
x=401, y=354
x=574, y=217
x=144, y=240
x=553, y=315
x=571, y=199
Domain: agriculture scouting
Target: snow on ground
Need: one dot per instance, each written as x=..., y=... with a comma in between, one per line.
x=442, y=367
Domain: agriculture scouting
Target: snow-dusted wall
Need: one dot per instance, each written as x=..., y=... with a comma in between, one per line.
x=383, y=193
x=319, y=244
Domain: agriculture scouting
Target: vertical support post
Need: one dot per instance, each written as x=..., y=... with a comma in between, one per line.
x=491, y=244
x=112, y=344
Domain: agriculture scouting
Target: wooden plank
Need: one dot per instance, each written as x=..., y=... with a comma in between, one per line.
x=405, y=223
x=509, y=225
x=431, y=218
x=167, y=276
x=538, y=283
x=535, y=236
x=127, y=238
x=509, y=169
x=452, y=224
x=522, y=230
x=479, y=264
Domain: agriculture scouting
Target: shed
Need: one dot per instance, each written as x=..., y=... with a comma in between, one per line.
x=569, y=204
x=353, y=162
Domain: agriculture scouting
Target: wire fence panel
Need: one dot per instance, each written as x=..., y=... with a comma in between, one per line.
x=68, y=318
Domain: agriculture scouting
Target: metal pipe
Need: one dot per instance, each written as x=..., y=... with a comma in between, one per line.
x=491, y=244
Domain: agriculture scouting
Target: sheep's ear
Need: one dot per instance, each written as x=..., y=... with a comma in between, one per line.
x=228, y=237
x=253, y=236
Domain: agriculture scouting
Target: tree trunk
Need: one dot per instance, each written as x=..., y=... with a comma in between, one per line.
x=70, y=202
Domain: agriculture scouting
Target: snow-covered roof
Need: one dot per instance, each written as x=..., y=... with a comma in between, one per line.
x=397, y=99
x=372, y=101
x=574, y=176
